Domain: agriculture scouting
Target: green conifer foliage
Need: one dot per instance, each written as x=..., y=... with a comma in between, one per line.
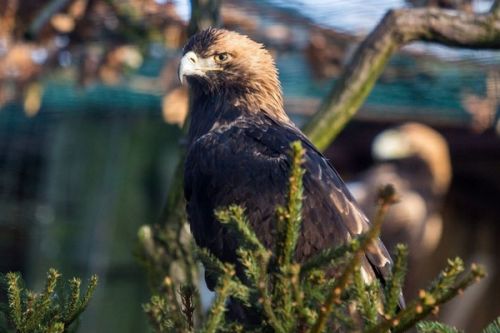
x=494, y=327
x=288, y=296
x=436, y=327
x=54, y=310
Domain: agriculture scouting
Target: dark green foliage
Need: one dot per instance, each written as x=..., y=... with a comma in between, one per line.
x=395, y=283
x=168, y=257
x=292, y=297
x=224, y=289
x=234, y=217
x=340, y=284
x=494, y=327
x=54, y=310
x=435, y=327
x=159, y=312
x=365, y=295
x=451, y=281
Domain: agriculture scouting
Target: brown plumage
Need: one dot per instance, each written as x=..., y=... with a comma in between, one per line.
x=249, y=72
x=239, y=139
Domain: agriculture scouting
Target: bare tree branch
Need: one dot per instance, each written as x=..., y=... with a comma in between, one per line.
x=397, y=28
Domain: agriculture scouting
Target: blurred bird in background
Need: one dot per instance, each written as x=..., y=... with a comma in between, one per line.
x=416, y=160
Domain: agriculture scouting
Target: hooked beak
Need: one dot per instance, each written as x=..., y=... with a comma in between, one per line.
x=189, y=66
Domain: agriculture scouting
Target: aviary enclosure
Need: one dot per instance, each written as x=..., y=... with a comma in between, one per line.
x=91, y=135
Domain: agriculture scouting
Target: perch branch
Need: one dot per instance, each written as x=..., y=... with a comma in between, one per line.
x=397, y=28
x=386, y=198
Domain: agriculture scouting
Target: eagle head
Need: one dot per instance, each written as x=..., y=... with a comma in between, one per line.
x=231, y=66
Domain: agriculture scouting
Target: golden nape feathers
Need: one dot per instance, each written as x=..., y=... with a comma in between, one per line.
x=241, y=70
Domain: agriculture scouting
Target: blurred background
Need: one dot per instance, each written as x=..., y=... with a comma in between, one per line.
x=90, y=116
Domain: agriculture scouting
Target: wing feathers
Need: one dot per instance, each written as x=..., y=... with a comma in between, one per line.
x=249, y=164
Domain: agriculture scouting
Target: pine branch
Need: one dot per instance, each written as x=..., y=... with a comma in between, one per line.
x=162, y=250
x=74, y=299
x=56, y=328
x=213, y=266
x=234, y=218
x=267, y=305
x=222, y=292
x=396, y=280
x=254, y=257
x=82, y=303
x=386, y=198
x=290, y=217
x=216, y=269
x=265, y=299
x=435, y=327
x=289, y=297
x=252, y=263
x=278, y=305
x=42, y=303
x=330, y=257
x=45, y=312
x=158, y=312
x=494, y=327
x=366, y=299
x=166, y=315
x=447, y=286
x=14, y=297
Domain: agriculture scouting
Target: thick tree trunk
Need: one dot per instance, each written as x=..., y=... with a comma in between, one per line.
x=397, y=28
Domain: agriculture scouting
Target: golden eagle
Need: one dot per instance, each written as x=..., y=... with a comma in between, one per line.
x=238, y=153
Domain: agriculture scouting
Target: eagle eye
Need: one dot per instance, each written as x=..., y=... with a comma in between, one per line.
x=221, y=57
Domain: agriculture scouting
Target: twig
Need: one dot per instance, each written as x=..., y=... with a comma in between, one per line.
x=386, y=198
x=396, y=281
x=265, y=300
x=422, y=308
x=218, y=308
